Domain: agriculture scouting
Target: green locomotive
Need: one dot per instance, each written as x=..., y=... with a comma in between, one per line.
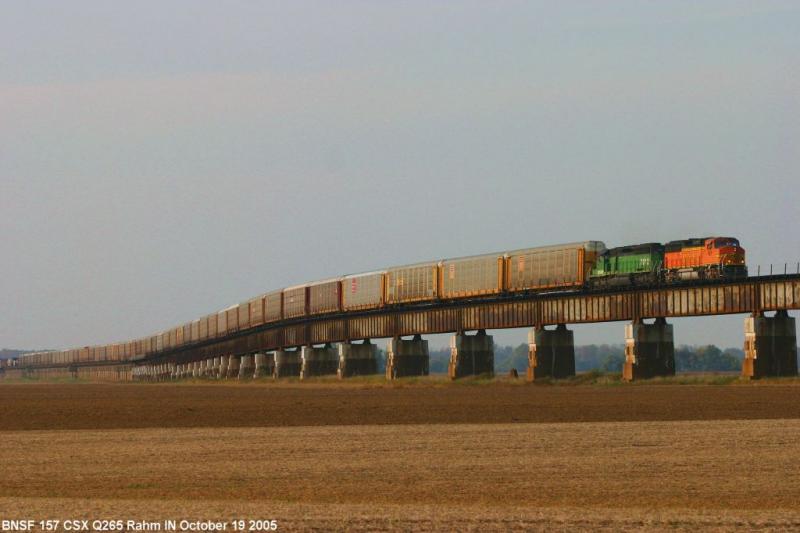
x=639, y=264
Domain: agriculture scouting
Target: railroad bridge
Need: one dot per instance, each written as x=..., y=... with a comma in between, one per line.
x=305, y=346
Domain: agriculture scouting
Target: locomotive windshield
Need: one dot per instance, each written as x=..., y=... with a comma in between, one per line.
x=722, y=243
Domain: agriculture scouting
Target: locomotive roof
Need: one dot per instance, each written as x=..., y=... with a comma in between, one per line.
x=636, y=248
x=672, y=246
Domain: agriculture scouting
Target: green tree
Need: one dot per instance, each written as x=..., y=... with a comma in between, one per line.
x=612, y=363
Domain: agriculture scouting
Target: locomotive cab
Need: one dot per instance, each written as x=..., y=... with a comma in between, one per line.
x=729, y=256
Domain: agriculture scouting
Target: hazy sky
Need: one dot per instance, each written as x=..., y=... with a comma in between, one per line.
x=162, y=160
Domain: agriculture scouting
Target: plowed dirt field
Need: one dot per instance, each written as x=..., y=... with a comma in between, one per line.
x=415, y=458
x=113, y=406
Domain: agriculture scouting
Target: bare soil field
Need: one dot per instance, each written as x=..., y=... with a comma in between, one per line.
x=596, y=475
x=355, y=456
x=120, y=405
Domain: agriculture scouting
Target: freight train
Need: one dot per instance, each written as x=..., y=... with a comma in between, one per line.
x=587, y=265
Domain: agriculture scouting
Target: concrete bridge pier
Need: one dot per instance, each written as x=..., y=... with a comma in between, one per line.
x=286, y=363
x=649, y=350
x=471, y=355
x=222, y=370
x=357, y=359
x=233, y=366
x=208, y=371
x=407, y=357
x=318, y=361
x=187, y=371
x=551, y=353
x=770, y=346
x=260, y=369
x=246, y=367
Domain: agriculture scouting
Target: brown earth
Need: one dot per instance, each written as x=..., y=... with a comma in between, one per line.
x=613, y=475
x=112, y=406
x=334, y=456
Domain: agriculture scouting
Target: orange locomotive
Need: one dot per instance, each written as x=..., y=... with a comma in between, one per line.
x=706, y=258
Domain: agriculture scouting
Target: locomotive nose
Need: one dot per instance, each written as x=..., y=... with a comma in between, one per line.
x=734, y=255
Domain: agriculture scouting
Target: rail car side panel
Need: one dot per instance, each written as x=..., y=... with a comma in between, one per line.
x=222, y=323
x=256, y=311
x=202, y=329
x=232, y=318
x=325, y=297
x=161, y=340
x=213, y=325
x=466, y=277
x=551, y=267
x=295, y=301
x=362, y=291
x=243, y=315
x=273, y=306
x=412, y=283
